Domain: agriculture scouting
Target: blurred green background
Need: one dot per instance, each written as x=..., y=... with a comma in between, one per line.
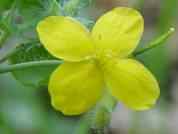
x=27, y=109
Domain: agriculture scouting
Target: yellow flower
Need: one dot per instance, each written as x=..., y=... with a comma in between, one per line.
x=97, y=59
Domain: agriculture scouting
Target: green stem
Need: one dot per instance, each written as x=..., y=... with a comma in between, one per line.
x=158, y=41
x=13, y=67
x=97, y=120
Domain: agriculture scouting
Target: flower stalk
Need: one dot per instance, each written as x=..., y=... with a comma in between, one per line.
x=20, y=66
x=158, y=41
x=97, y=120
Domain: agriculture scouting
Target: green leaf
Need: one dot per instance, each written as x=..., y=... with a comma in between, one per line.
x=4, y=32
x=22, y=20
x=5, y=5
x=22, y=17
x=73, y=7
x=35, y=76
x=27, y=13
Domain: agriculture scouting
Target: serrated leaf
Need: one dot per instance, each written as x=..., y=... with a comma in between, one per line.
x=35, y=76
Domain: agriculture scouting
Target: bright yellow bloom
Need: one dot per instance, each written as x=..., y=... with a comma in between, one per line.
x=97, y=59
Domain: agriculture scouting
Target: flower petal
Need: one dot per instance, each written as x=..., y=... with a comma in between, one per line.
x=75, y=87
x=118, y=32
x=131, y=83
x=65, y=38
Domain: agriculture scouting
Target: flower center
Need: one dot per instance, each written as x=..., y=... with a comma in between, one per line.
x=102, y=58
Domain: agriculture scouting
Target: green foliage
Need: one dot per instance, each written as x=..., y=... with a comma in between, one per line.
x=23, y=16
x=4, y=32
x=157, y=59
x=72, y=7
x=27, y=13
x=21, y=20
x=5, y=5
x=35, y=76
x=32, y=106
x=168, y=14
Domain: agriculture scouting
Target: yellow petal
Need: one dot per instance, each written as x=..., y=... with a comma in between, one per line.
x=75, y=87
x=65, y=38
x=118, y=32
x=131, y=83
